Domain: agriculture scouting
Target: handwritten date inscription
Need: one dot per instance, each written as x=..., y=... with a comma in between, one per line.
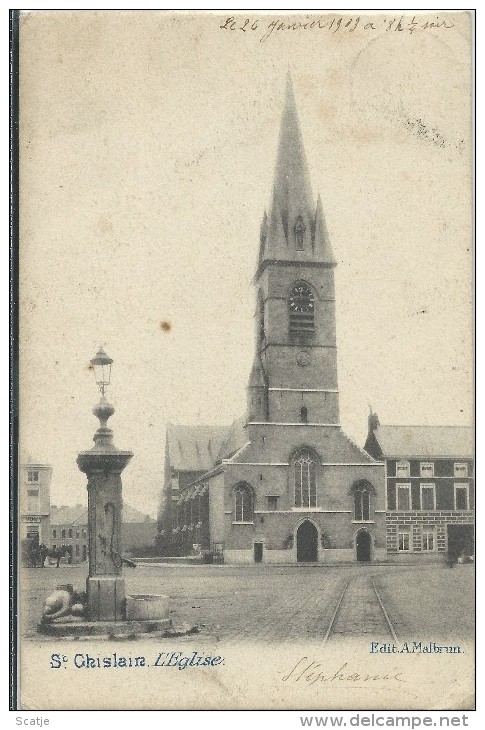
x=334, y=24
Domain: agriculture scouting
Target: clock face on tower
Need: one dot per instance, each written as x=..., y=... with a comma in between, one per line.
x=301, y=299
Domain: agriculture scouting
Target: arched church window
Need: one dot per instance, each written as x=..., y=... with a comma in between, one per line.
x=304, y=415
x=299, y=233
x=302, y=308
x=243, y=503
x=362, y=498
x=305, y=479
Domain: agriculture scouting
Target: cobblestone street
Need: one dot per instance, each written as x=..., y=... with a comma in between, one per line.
x=269, y=603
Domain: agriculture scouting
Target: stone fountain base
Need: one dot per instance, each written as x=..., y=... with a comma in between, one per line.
x=143, y=614
x=77, y=627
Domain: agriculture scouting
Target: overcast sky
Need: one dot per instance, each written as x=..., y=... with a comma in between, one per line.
x=148, y=142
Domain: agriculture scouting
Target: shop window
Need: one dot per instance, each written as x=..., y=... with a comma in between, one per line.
x=428, y=541
x=403, y=540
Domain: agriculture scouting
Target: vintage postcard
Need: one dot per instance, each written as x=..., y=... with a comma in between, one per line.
x=246, y=453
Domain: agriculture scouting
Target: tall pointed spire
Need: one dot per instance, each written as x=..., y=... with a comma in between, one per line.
x=293, y=192
x=294, y=229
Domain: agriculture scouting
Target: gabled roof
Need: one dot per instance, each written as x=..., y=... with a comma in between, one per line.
x=199, y=448
x=78, y=515
x=194, y=448
x=425, y=441
x=132, y=515
x=236, y=437
x=66, y=515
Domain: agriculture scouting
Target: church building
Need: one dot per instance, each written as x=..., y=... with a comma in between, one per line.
x=284, y=484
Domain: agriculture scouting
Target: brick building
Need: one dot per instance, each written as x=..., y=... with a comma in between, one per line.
x=430, y=492
x=285, y=484
x=69, y=526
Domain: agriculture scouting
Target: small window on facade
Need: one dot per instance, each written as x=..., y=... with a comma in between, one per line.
x=32, y=476
x=361, y=504
x=54, y=533
x=461, y=470
x=428, y=539
x=63, y=534
x=84, y=533
x=305, y=480
x=299, y=233
x=54, y=547
x=403, y=500
x=77, y=534
x=461, y=496
x=426, y=469
x=402, y=469
x=243, y=504
x=272, y=503
x=427, y=497
x=76, y=550
x=69, y=532
x=304, y=415
x=403, y=540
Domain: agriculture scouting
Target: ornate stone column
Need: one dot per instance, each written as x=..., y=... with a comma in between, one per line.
x=103, y=465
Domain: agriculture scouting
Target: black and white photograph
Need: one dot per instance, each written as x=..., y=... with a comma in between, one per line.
x=246, y=468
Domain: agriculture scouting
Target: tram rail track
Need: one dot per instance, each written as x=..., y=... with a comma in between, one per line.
x=344, y=598
x=386, y=615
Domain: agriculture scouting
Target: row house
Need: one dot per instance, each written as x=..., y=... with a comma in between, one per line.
x=430, y=495
x=34, y=492
x=69, y=526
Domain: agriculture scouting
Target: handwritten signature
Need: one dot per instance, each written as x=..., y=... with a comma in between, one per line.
x=313, y=672
x=333, y=25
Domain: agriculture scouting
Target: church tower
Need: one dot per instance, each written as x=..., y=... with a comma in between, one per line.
x=288, y=485
x=294, y=376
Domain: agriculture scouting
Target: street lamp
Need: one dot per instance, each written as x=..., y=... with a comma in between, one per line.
x=103, y=465
x=101, y=364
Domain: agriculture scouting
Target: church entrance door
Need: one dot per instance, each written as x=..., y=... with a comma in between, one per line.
x=363, y=547
x=307, y=543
